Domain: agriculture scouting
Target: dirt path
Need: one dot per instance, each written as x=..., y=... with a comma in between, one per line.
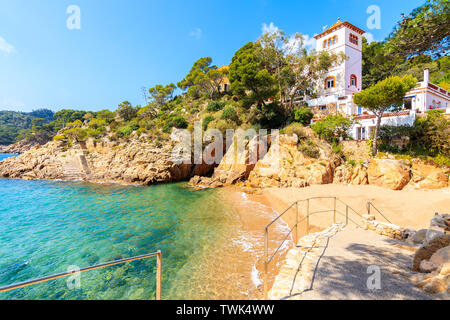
x=333, y=265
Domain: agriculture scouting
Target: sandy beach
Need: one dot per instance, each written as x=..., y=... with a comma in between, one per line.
x=406, y=208
x=410, y=209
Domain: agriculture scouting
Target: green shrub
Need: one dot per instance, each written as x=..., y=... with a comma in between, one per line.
x=77, y=134
x=174, y=122
x=337, y=149
x=59, y=137
x=270, y=116
x=206, y=122
x=441, y=160
x=332, y=128
x=352, y=163
x=303, y=115
x=215, y=106
x=179, y=122
x=296, y=128
x=309, y=149
x=126, y=131
x=229, y=113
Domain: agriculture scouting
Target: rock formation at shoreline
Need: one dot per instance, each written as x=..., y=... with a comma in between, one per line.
x=135, y=162
x=17, y=148
x=300, y=163
x=295, y=163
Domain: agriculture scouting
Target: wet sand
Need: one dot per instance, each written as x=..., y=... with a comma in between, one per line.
x=232, y=269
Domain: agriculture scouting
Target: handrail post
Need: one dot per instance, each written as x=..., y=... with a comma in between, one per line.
x=158, y=275
x=296, y=224
x=307, y=216
x=334, y=211
x=346, y=215
x=266, y=244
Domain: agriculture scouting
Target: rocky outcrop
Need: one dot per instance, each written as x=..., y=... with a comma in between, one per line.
x=237, y=163
x=291, y=165
x=425, y=176
x=348, y=174
x=134, y=162
x=427, y=251
x=387, y=173
x=18, y=147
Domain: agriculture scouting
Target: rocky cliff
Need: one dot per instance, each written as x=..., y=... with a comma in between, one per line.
x=17, y=148
x=294, y=162
x=134, y=162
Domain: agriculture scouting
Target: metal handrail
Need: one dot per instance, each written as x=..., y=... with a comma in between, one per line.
x=370, y=204
x=158, y=255
x=295, y=229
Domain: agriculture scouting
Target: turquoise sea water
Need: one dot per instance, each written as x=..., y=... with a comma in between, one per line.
x=4, y=156
x=47, y=226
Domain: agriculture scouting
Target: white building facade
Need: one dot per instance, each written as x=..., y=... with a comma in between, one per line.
x=335, y=91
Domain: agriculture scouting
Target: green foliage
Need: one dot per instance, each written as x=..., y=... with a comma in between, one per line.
x=229, y=113
x=425, y=30
x=432, y=133
x=385, y=94
x=268, y=116
x=67, y=115
x=378, y=64
x=105, y=115
x=294, y=128
x=303, y=115
x=59, y=137
x=215, y=106
x=337, y=149
x=160, y=95
x=249, y=80
x=15, y=125
x=206, y=122
x=333, y=128
x=126, y=111
x=309, y=149
x=428, y=138
x=127, y=131
x=203, y=78
x=77, y=134
x=352, y=163
x=175, y=121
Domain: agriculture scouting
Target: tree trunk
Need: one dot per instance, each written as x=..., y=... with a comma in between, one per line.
x=375, y=136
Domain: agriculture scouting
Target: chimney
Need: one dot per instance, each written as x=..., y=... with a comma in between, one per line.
x=426, y=76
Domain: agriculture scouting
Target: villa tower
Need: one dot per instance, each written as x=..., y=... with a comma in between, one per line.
x=336, y=89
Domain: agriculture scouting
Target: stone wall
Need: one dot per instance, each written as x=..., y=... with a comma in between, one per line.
x=386, y=229
x=330, y=110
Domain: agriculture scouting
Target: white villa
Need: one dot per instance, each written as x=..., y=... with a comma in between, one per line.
x=335, y=91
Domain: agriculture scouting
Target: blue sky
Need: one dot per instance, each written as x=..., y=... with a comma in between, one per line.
x=125, y=45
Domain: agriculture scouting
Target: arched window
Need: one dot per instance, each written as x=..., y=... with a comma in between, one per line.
x=353, y=81
x=335, y=39
x=330, y=82
x=325, y=44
